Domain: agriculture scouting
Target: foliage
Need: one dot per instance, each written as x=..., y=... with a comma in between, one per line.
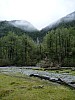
x=59, y=46
x=17, y=50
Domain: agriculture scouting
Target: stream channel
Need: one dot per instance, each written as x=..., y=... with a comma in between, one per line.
x=64, y=78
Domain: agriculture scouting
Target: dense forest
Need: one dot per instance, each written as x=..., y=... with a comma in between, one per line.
x=53, y=46
x=57, y=48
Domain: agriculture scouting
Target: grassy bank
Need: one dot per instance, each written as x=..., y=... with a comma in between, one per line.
x=68, y=71
x=20, y=87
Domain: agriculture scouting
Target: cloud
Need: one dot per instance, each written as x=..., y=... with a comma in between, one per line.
x=39, y=12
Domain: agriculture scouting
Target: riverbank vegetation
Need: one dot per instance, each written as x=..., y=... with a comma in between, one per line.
x=63, y=71
x=57, y=49
x=21, y=87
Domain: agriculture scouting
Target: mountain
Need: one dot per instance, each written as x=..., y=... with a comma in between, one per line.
x=24, y=25
x=66, y=21
x=68, y=18
x=19, y=27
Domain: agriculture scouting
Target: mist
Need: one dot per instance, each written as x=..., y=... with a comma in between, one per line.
x=38, y=12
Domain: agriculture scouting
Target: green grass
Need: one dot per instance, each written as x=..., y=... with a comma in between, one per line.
x=21, y=87
x=68, y=71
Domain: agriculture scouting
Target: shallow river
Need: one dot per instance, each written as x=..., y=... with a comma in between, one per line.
x=24, y=70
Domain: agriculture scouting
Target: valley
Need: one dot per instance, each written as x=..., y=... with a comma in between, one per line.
x=53, y=46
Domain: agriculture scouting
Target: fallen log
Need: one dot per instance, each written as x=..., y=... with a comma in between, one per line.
x=41, y=77
x=57, y=80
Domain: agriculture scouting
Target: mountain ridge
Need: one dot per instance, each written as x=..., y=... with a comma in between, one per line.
x=24, y=27
x=68, y=18
x=7, y=26
x=22, y=24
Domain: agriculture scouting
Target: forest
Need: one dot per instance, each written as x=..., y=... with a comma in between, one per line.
x=56, y=48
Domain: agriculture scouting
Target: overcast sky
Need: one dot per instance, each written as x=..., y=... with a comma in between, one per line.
x=38, y=12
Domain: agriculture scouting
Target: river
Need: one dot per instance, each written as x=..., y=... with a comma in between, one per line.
x=28, y=71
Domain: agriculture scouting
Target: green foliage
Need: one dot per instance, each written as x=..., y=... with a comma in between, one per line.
x=59, y=46
x=68, y=25
x=17, y=50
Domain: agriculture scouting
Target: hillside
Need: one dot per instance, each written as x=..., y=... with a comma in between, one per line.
x=65, y=22
x=18, y=27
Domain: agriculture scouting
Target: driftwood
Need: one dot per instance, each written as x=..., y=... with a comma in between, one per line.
x=57, y=80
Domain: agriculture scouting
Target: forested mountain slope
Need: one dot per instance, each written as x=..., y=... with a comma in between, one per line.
x=56, y=45
x=18, y=27
x=65, y=22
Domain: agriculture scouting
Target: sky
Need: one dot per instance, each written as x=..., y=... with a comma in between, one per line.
x=40, y=13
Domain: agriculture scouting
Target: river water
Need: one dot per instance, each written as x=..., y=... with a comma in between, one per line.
x=24, y=70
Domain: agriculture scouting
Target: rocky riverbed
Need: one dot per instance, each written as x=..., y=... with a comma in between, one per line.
x=64, y=77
